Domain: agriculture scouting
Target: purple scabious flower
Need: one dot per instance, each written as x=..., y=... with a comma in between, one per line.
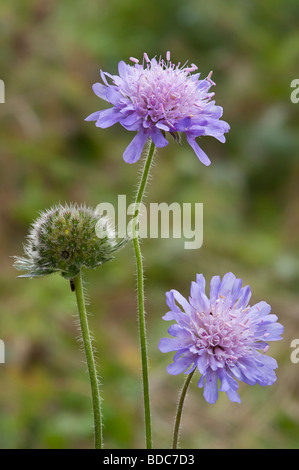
x=222, y=336
x=158, y=97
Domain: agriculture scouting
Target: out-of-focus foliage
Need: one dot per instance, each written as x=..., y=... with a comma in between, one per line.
x=51, y=54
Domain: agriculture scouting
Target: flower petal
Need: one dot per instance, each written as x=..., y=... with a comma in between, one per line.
x=179, y=332
x=214, y=288
x=180, y=365
x=134, y=150
x=199, y=152
x=183, y=124
x=113, y=95
x=171, y=344
x=93, y=116
x=229, y=386
x=100, y=90
x=122, y=69
x=211, y=387
x=108, y=117
x=244, y=298
x=198, y=299
x=158, y=138
x=182, y=301
x=170, y=300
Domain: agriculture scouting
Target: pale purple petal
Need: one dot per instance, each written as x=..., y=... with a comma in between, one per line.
x=179, y=332
x=203, y=362
x=100, y=90
x=93, y=116
x=108, y=117
x=167, y=344
x=199, y=152
x=180, y=365
x=130, y=120
x=113, y=95
x=198, y=299
x=134, y=150
x=158, y=138
x=182, y=301
x=227, y=284
x=122, y=69
x=184, y=124
x=170, y=300
x=214, y=288
x=244, y=298
x=211, y=387
x=229, y=386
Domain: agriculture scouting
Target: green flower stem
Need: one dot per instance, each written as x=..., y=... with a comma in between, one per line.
x=140, y=294
x=180, y=410
x=96, y=400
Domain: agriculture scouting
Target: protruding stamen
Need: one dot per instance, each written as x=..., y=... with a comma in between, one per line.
x=191, y=69
x=168, y=56
x=209, y=78
x=146, y=57
x=132, y=59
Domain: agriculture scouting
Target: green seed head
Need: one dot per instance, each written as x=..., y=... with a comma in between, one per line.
x=65, y=239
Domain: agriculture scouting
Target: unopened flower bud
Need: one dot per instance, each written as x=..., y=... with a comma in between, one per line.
x=65, y=239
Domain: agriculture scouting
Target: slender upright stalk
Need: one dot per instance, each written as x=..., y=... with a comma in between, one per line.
x=140, y=293
x=180, y=410
x=95, y=393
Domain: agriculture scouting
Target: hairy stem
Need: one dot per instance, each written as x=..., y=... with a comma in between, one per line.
x=180, y=410
x=95, y=393
x=140, y=294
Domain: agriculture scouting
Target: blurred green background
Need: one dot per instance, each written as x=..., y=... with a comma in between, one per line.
x=51, y=54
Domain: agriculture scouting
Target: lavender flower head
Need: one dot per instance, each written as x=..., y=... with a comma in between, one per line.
x=158, y=97
x=222, y=336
